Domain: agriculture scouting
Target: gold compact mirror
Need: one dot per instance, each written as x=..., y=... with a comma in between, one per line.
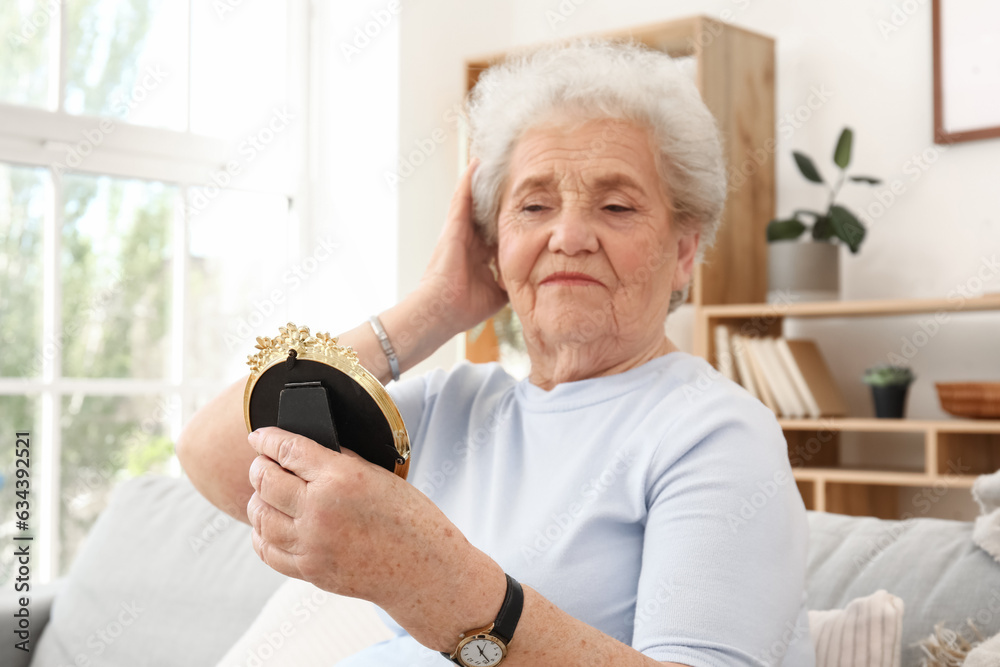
x=315, y=387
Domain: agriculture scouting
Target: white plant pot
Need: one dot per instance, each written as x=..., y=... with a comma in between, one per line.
x=803, y=271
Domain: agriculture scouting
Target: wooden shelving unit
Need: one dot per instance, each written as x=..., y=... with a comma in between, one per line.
x=955, y=451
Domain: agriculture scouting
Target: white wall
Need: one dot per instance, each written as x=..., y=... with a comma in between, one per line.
x=873, y=62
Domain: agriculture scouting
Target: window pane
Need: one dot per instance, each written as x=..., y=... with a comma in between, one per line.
x=240, y=277
x=27, y=28
x=116, y=276
x=106, y=440
x=17, y=414
x=23, y=201
x=128, y=59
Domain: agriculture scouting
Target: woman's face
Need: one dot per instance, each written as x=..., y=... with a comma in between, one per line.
x=587, y=250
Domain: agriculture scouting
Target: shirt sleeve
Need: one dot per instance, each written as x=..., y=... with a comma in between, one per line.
x=409, y=395
x=724, y=551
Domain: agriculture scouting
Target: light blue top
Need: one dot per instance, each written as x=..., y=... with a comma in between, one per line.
x=656, y=505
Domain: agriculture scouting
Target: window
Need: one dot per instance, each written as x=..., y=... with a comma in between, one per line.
x=150, y=155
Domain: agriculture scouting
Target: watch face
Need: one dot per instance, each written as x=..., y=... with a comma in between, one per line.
x=481, y=652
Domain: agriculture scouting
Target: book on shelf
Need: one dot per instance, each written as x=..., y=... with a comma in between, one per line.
x=763, y=388
x=744, y=376
x=817, y=378
x=724, y=352
x=809, y=404
x=789, y=376
x=795, y=406
x=772, y=375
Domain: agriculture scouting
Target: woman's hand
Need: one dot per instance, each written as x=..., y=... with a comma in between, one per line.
x=458, y=279
x=353, y=528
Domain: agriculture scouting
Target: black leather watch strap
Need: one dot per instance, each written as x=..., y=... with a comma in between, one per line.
x=510, y=611
x=507, y=617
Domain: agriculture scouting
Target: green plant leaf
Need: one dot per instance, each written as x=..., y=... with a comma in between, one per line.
x=807, y=167
x=822, y=229
x=803, y=211
x=885, y=375
x=847, y=227
x=870, y=180
x=842, y=154
x=784, y=230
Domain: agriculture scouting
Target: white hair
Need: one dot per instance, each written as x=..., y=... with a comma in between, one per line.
x=597, y=79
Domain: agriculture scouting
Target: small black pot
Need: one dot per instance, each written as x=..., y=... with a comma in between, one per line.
x=890, y=400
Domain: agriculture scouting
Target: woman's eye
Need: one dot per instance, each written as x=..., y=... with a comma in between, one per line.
x=617, y=208
x=533, y=208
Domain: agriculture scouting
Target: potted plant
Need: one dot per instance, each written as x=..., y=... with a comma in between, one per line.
x=811, y=269
x=889, y=386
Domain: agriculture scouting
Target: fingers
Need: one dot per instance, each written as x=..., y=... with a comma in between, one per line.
x=276, y=486
x=271, y=524
x=294, y=453
x=460, y=211
x=275, y=557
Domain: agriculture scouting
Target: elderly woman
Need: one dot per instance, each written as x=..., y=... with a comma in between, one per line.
x=623, y=505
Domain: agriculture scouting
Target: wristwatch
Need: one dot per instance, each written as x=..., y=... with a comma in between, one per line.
x=487, y=647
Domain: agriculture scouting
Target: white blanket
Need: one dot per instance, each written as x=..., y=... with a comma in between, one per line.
x=986, y=533
x=986, y=654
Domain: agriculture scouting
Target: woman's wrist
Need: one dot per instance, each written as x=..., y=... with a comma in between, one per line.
x=418, y=325
x=475, y=591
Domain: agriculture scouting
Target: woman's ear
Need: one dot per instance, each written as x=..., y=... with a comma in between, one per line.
x=687, y=248
x=495, y=269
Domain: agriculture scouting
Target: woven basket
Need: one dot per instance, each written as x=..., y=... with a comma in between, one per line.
x=970, y=399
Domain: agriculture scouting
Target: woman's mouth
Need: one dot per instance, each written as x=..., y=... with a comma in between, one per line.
x=570, y=278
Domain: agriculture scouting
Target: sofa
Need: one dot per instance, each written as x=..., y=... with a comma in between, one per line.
x=164, y=578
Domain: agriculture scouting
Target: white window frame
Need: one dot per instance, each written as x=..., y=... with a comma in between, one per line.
x=33, y=137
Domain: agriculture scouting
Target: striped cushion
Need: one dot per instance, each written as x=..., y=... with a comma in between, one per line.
x=866, y=633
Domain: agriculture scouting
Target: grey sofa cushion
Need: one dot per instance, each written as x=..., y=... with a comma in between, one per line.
x=164, y=578
x=932, y=564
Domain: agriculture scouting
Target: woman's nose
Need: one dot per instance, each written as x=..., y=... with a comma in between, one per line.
x=572, y=233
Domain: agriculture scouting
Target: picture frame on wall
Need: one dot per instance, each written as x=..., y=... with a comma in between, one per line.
x=966, y=42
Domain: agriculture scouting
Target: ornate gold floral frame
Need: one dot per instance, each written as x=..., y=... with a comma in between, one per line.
x=325, y=349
